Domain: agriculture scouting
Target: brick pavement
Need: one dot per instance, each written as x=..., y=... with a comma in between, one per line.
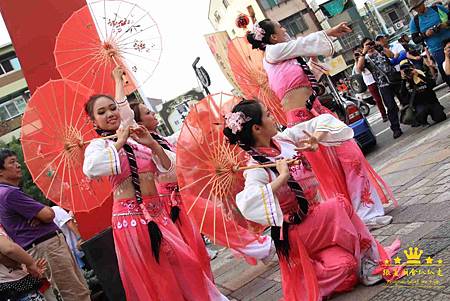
x=420, y=178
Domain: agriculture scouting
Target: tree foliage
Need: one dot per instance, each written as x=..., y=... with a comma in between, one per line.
x=27, y=184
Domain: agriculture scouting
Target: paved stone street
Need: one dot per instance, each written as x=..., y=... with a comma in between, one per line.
x=418, y=169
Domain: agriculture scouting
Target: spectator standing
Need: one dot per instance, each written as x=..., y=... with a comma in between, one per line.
x=30, y=225
x=446, y=64
x=371, y=84
x=386, y=77
x=431, y=26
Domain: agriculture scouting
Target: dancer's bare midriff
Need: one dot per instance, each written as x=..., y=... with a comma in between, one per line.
x=296, y=98
x=126, y=189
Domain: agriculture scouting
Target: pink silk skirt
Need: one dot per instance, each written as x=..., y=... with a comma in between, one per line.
x=178, y=275
x=326, y=251
x=187, y=226
x=352, y=175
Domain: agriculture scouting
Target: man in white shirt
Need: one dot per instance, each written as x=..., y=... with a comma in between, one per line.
x=70, y=230
x=446, y=63
x=371, y=85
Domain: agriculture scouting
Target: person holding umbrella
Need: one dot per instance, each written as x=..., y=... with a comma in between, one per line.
x=320, y=241
x=240, y=239
x=296, y=86
x=154, y=261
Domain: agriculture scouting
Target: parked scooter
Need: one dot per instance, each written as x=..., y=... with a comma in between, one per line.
x=360, y=103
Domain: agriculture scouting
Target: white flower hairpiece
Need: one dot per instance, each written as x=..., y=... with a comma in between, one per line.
x=235, y=121
x=258, y=32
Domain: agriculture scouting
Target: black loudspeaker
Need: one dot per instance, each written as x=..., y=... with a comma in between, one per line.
x=101, y=256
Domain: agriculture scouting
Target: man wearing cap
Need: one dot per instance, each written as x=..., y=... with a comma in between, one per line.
x=431, y=25
x=422, y=97
x=396, y=51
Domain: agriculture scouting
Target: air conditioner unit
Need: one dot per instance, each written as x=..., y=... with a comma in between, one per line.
x=398, y=25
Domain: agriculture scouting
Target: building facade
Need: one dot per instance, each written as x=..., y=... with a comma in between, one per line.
x=294, y=15
x=223, y=13
x=331, y=13
x=173, y=112
x=14, y=94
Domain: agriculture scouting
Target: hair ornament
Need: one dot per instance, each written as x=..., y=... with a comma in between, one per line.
x=258, y=32
x=235, y=121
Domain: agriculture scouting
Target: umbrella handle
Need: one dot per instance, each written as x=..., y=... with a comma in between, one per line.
x=82, y=143
x=289, y=162
x=124, y=77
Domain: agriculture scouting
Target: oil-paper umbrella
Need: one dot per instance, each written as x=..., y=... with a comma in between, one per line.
x=54, y=133
x=102, y=35
x=209, y=172
x=247, y=66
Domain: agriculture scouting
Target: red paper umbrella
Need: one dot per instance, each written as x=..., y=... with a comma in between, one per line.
x=209, y=171
x=53, y=135
x=102, y=35
x=247, y=66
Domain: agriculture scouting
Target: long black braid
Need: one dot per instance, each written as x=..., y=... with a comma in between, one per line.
x=282, y=246
x=153, y=228
x=174, y=210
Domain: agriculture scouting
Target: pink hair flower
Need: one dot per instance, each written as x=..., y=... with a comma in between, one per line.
x=258, y=32
x=235, y=121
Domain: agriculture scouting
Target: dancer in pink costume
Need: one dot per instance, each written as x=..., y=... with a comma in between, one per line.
x=323, y=246
x=294, y=83
x=239, y=239
x=154, y=261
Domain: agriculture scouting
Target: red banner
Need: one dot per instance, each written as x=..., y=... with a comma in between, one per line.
x=33, y=27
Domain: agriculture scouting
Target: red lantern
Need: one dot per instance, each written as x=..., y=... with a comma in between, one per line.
x=242, y=21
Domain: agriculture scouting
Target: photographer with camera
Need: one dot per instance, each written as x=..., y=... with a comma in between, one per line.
x=431, y=26
x=422, y=99
x=370, y=83
x=375, y=58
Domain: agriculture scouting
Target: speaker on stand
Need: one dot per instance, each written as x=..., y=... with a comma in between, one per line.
x=101, y=256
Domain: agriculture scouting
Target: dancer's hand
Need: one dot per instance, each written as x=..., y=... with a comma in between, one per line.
x=142, y=135
x=118, y=73
x=122, y=135
x=283, y=168
x=339, y=30
x=310, y=144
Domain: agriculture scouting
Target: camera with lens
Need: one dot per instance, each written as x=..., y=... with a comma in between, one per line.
x=436, y=28
x=408, y=71
x=379, y=48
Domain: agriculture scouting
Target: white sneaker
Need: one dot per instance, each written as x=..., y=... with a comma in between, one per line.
x=367, y=267
x=379, y=222
x=212, y=253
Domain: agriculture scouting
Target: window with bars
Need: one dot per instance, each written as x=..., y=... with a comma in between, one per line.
x=268, y=4
x=12, y=108
x=353, y=39
x=9, y=64
x=294, y=24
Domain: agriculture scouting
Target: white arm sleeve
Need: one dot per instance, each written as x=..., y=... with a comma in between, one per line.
x=314, y=44
x=338, y=131
x=126, y=113
x=257, y=202
x=166, y=175
x=101, y=159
